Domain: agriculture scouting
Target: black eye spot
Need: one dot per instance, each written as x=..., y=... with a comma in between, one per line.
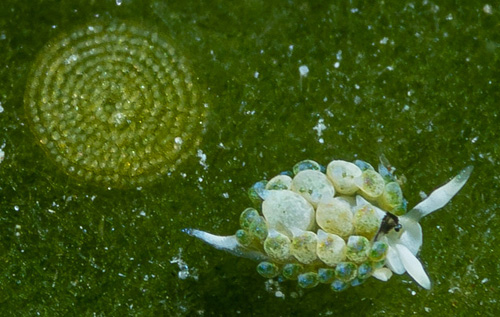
x=389, y=222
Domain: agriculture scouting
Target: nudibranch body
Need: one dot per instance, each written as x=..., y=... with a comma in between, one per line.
x=338, y=226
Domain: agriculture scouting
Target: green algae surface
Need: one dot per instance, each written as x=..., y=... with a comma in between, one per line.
x=283, y=82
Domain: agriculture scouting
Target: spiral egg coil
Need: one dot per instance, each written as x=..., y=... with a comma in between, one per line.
x=114, y=104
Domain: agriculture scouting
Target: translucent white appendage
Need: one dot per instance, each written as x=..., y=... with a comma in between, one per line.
x=226, y=243
x=411, y=236
x=413, y=266
x=441, y=196
x=392, y=259
x=383, y=274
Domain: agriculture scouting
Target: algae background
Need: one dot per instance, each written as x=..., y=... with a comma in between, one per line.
x=417, y=81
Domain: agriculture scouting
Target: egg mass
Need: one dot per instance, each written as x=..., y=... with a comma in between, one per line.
x=114, y=103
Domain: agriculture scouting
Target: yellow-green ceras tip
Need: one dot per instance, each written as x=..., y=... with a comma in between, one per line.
x=113, y=103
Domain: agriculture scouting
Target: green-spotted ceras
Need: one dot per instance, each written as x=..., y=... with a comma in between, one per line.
x=338, y=226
